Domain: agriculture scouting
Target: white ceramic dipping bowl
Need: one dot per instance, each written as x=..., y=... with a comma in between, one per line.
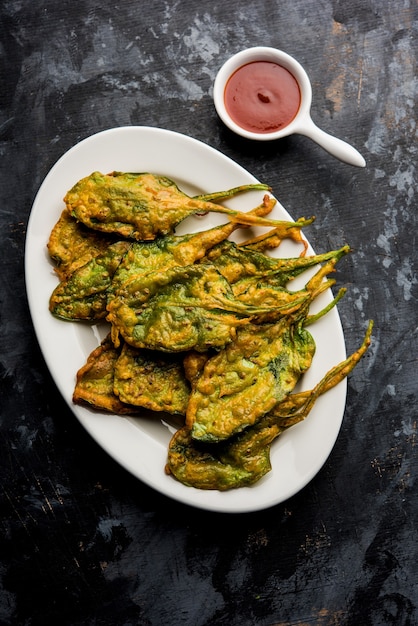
x=302, y=122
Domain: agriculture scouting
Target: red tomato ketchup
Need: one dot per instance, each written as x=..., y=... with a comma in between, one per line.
x=262, y=97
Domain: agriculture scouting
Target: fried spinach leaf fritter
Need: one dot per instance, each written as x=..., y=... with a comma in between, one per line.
x=180, y=308
x=239, y=264
x=83, y=295
x=71, y=245
x=248, y=378
x=142, y=206
x=152, y=380
x=255, y=371
x=171, y=250
x=94, y=384
x=243, y=459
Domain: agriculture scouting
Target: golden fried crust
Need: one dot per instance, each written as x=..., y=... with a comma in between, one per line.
x=136, y=206
x=176, y=310
x=238, y=462
x=202, y=328
x=151, y=380
x=193, y=364
x=247, y=379
x=83, y=295
x=71, y=245
x=244, y=458
x=94, y=384
x=143, y=206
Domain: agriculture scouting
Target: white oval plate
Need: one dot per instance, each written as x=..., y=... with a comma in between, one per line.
x=140, y=444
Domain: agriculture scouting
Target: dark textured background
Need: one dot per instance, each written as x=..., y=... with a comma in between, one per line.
x=81, y=541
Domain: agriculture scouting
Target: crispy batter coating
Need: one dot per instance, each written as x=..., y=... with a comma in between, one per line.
x=152, y=380
x=240, y=264
x=256, y=371
x=243, y=459
x=83, y=295
x=169, y=251
x=178, y=309
x=201, y=327
x=186, y=308
x=246, y=379
x=142, y=206
x=94, y=384
x=72, y=245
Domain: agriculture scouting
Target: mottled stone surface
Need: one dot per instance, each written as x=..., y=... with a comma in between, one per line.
x=83, y=542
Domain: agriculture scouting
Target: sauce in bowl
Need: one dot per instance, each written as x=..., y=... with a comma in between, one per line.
x=262, y=97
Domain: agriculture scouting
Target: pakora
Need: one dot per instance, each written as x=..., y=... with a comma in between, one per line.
x=83, y=295
x=239, y=263
x=142, y=206
x=178, y=309
x=72, y=245
x=94, y=383
x=246, y=379
x=255, y=371
x=203, y=329
x=243, y=459
x=171, y=250
x=152, y=380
